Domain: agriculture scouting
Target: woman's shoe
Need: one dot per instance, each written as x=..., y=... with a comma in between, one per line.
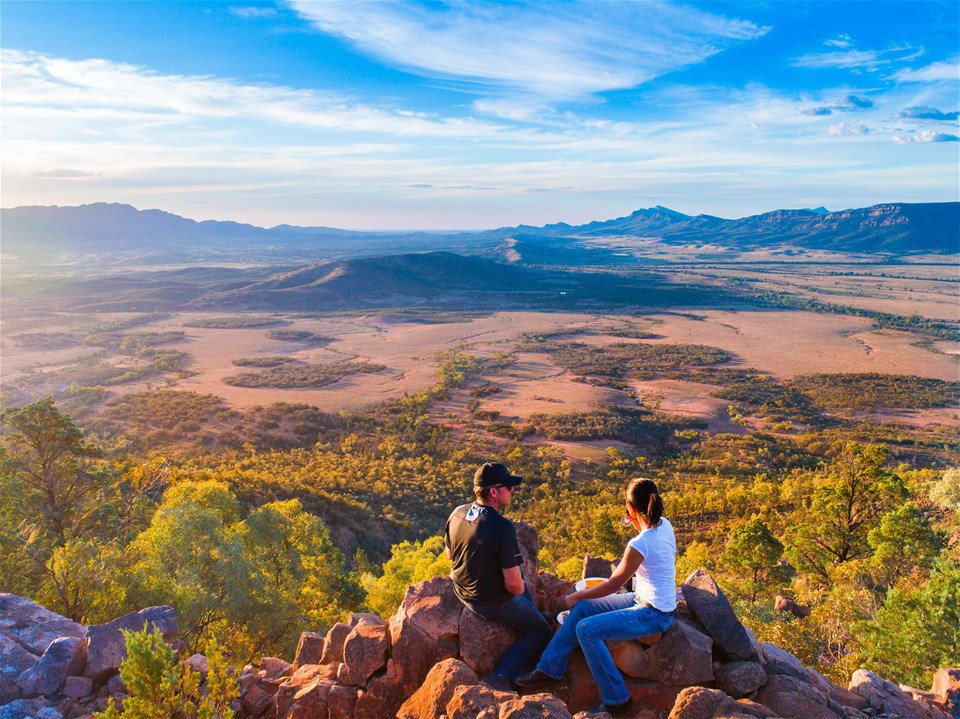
x=498, y=682
x=617, y=710
x=536, y=680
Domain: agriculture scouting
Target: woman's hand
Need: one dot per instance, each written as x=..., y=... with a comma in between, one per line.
x=572, y=599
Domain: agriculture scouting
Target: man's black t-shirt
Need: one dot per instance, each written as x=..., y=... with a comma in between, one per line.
x=482, y=544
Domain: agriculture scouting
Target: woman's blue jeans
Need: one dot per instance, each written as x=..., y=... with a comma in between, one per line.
x=518, y=613
x=593, y=621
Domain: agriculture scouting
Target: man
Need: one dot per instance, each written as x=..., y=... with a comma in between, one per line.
x=482, y=547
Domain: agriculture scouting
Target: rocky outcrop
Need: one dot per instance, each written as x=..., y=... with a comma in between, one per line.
x=946, y=689
x=886, y=696
x=431, y=699
x=107, y=649
x=309, y=649
x=710, y=606
x=682, y=657
x=52, y=667
x=424, y=663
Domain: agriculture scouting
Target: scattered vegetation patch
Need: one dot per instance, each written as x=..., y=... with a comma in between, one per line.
x=299, y=336
x=94, y=372
x=621, y=360
x=164, y=409
x=315, y=375
x=486, y=390
x=869, y=391
x=637, y=426
x=767, y=398
x=126, y=323
x=234, y=322
x=883, y=320
x=274, y=361
x=433, y=317
x=633, y=333
x=133, y=343
x=46, y=340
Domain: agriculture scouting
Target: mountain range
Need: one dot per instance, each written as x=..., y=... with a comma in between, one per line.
x=102, y=234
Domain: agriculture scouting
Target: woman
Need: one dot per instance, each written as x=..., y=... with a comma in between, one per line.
x=599, y=614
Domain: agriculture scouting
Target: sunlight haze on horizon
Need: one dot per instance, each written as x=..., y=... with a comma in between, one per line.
x=474, y=115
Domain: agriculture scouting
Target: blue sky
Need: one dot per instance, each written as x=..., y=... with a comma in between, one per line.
x=390, y=115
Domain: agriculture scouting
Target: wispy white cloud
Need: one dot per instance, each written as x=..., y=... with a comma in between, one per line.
x=519, y=55
x=254, y=11
x=38, y=86
x=925, y=136
x=857, y=60
x=849, y=128
x=849, y=103
x=843, y=59
x=64, y=173
x=934, y=72
x=842, y=41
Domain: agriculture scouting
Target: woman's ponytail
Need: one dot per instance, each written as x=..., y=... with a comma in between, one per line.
x=643, y=495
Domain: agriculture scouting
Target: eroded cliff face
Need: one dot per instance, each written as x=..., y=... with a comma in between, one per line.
x=425, y=662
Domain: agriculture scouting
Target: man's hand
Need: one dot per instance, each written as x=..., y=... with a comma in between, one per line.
x=513, y=580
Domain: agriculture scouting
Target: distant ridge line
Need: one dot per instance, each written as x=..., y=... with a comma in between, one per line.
x=893, y=227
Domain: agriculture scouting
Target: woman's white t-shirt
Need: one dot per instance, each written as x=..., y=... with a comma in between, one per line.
x=656, y=582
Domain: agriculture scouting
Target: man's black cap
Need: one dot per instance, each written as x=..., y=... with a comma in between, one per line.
x=492, y=474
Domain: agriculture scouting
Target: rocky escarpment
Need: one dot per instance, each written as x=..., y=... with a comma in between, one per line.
x=51, y=667
x=425, y=661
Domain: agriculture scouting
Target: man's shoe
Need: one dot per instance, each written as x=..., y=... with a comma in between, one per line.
x=616, y=710
x=536, y=680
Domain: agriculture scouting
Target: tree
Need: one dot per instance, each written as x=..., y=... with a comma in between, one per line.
x=83, y=580
x=45, y=453
x=696, y=556
x=409, y=563
x=292, y=575
x=917, y=631
x=846, y=504
x=183, y=558
x=945, y=492
x=606, y=540
x=752, y=554
x=54, y=497
x=256, y=582
x=904, y=541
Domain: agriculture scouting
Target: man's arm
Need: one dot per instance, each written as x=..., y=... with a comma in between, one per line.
x=513, y=580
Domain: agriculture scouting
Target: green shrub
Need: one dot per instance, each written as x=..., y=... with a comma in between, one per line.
x=161, y=688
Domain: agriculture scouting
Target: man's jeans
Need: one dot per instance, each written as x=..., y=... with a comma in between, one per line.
x=518, y=613
x=589, y=624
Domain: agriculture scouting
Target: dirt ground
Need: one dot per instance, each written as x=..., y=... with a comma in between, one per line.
x=781, y=343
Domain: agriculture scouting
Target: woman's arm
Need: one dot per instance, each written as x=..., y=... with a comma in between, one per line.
x=632, y=559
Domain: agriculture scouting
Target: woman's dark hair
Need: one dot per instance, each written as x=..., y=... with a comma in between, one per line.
x=642, y=494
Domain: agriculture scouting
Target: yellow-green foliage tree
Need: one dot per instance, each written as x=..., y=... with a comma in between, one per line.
x=263, y=578
x=695, y=556
x=917, y=630
x=751, y=560
x=409, y=563
x=56, y=501
x=294, y=576
x=846, y=504
x=904, y=542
